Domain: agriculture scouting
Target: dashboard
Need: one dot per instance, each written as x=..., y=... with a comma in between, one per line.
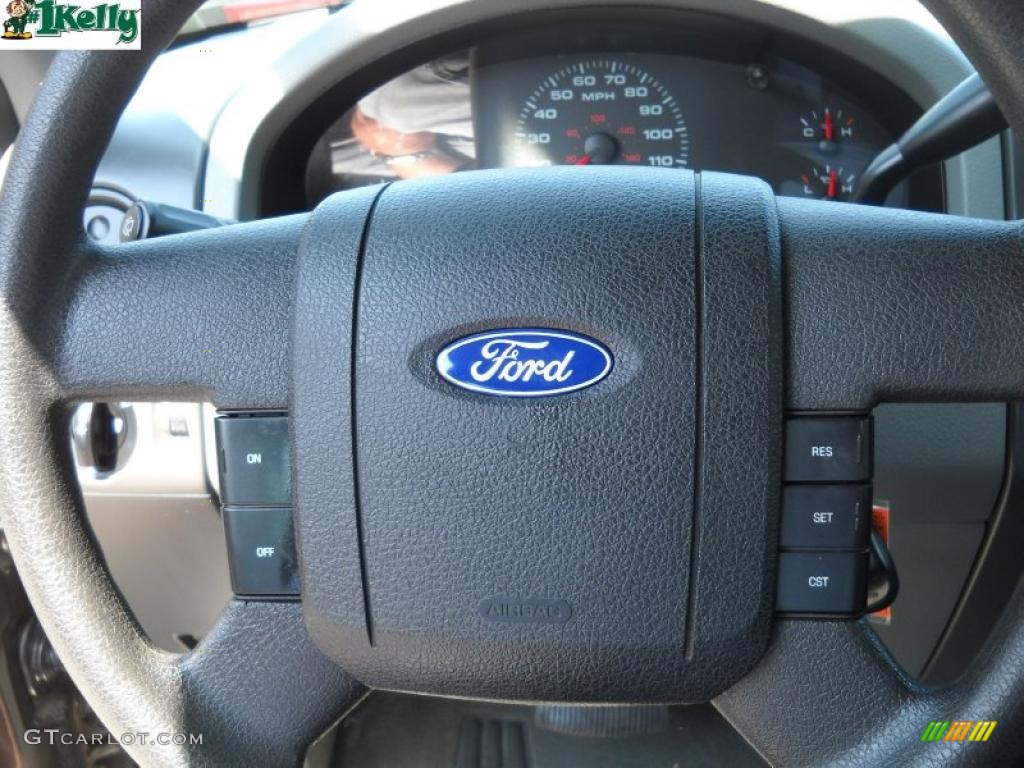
x=715, y=96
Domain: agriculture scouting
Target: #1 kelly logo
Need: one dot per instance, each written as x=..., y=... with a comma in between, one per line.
x=46, y=24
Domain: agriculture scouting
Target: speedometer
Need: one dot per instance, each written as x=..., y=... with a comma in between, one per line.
x=601, y=112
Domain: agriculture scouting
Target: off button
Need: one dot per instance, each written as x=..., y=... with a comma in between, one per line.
x=261, y=551
x=828, y=450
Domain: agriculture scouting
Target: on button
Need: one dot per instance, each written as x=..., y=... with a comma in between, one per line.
x=255, y=467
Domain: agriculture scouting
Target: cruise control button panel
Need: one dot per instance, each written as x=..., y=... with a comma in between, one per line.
x=255, y=489
x=261, y=551
x=828, y=450
x=255, y=467
x=826, y=516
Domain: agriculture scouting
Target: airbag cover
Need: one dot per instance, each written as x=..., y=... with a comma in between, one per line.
x=527, y=547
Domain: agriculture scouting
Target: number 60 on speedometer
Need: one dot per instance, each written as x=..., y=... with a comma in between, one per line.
x=601, y=112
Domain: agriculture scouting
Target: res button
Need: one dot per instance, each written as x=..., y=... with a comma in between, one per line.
x=828, y=450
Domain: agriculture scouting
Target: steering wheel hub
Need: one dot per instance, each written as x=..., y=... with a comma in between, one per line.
x=599, y=526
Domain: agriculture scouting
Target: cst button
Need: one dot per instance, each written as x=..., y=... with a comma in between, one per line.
x=828, y=450
x=825, y=582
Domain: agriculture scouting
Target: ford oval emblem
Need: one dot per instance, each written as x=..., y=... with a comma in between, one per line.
x=524, y=362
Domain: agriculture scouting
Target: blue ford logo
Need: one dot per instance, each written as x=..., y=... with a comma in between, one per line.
x=524, y=362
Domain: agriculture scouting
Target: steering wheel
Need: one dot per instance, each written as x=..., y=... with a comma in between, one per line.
x=723, y=306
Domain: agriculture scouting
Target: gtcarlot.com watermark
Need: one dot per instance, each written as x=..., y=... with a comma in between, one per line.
x=55, y=736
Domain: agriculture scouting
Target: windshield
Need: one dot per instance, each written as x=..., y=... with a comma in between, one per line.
x=221, y=13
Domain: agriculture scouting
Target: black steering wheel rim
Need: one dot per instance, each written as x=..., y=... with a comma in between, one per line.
x=50, y=279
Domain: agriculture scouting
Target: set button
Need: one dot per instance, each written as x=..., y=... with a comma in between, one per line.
x=826, y=516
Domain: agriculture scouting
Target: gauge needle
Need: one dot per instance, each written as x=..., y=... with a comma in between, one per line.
x=829, y=129
x=832, y=178
x=584, y=160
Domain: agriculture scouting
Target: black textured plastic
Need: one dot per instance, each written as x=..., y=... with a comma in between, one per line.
x=740, y=424
x=885, y=305
x=584, y=501
x=585, y=498
x=323, y=488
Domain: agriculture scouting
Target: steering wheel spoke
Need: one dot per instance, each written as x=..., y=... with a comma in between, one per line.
x=203, y=315
x=837, y=697
x=200, y=315
x=886, y=305
x=900, y=306
x=259, y=690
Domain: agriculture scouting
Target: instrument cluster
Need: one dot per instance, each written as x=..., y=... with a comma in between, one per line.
x=643, y=100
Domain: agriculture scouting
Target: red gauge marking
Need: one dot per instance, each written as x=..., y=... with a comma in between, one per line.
x=633, y=157
x=627, y=130
x=832, y=183
x=584, y=160
x=572, y=133
x=829, y=128
x=598, y=119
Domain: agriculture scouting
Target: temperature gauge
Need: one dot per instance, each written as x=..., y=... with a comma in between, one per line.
x=828, y=127
x=828, y=183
